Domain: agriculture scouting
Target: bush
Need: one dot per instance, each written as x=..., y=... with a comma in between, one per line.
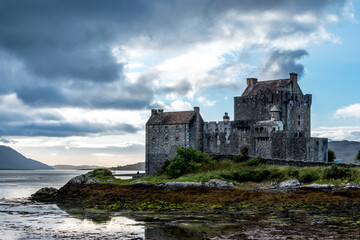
x=252, y=162
x=102, y=174
x=358, y=156
x=187, y=160
x=244, y=155
x=331, y=155
x=334, y=172
x=307, y=178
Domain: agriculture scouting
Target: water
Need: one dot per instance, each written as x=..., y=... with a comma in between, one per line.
x=22, y=219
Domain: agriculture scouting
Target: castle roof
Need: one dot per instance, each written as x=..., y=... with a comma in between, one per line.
x=275, y=109
x=267, y=123
x=272, y=85
x=169, y=118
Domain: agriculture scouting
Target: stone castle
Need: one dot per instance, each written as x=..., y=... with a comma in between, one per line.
x=271, y=120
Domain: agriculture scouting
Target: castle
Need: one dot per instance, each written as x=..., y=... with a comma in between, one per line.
x=271, y=120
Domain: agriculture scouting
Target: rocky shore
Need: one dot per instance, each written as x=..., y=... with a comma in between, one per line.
x=288, y=209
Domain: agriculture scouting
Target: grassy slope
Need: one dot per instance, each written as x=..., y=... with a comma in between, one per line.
x=254, y=170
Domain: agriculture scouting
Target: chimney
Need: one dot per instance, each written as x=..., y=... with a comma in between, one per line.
x=153, y=111
x=197, y=109
x=226, y=117
x=293, y=77
x=160, y=112
x=251, y=81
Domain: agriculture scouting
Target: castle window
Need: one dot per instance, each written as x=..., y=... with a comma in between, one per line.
x=177, y=128
x=166, y=129
x=153, y=140
x=274, y=129
x=153, y=129
x=299, y=120
x=166, y=140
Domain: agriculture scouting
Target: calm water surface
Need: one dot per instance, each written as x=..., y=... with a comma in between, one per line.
x=21, y=219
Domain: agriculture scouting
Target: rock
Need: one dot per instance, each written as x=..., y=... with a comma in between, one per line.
x=289, y=183
x=178, y=185
x=84, y=179
x=216, y=183
x=318, y=186
x=351, y=185
x=45, y=195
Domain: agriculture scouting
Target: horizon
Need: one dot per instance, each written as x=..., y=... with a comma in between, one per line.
x=79, y=79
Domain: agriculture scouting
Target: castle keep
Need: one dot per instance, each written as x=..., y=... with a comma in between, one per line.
x=271, y=120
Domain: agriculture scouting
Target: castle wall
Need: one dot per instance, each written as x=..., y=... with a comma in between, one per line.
x=223, y=138
x=317, y=149
x=162, y=142
x=196, y=128
x=295, y=109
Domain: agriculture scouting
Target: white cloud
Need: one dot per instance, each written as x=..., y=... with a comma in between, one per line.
x=351, y=133
x=179, y=105
x=349, y=111
x=205, y=101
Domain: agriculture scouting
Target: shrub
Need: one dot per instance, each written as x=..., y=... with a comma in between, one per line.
x=307, y=178
x=102, y=174
x=252, y=162
x=244, y=155
x=187, y=160
x=358, y=156
x=331, y=155
x=334, y=172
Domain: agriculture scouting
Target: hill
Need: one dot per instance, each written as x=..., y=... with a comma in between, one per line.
x=345, y=150
x=72, y=167
x=136, y=166
x=11, y=159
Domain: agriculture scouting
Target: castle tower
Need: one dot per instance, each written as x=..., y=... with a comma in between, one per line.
x=275, y=113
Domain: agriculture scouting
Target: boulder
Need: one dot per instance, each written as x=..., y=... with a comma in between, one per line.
x=316, y=186
x=216, y=183
x=46, y=195
x=289, y=183
x=84, y=179
x=178, y=185
x=352, y=185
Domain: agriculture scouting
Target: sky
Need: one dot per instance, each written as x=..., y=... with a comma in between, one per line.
x=79, y=78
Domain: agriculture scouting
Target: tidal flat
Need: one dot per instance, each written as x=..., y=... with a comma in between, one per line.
x=221, y=213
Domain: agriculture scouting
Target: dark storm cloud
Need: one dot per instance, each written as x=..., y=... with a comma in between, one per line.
x=63, y=129
x=60, y=53
x=73, y=39
x=281, y=63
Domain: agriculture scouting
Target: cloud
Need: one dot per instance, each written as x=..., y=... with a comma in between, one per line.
x=181, y=88
x=126, y=55
x=351, y=133
x=281, y=63
x=349, y=111
x=205, y=101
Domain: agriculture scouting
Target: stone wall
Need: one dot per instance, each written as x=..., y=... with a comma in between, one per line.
x=162, y=142
x=224, y=138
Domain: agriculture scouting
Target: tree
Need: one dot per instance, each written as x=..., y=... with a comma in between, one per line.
x=358, y=156
x=331, y=155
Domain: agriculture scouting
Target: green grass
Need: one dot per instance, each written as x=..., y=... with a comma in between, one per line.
x=255, y=170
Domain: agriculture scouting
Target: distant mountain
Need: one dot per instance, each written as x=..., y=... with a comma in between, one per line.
x=72, y=167
x=136, y=166
x=345, y=150
x=11, y=159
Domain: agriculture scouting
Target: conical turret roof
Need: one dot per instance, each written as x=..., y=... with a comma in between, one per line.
x=275, y=109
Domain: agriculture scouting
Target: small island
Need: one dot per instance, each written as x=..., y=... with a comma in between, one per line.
x=195, y=184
